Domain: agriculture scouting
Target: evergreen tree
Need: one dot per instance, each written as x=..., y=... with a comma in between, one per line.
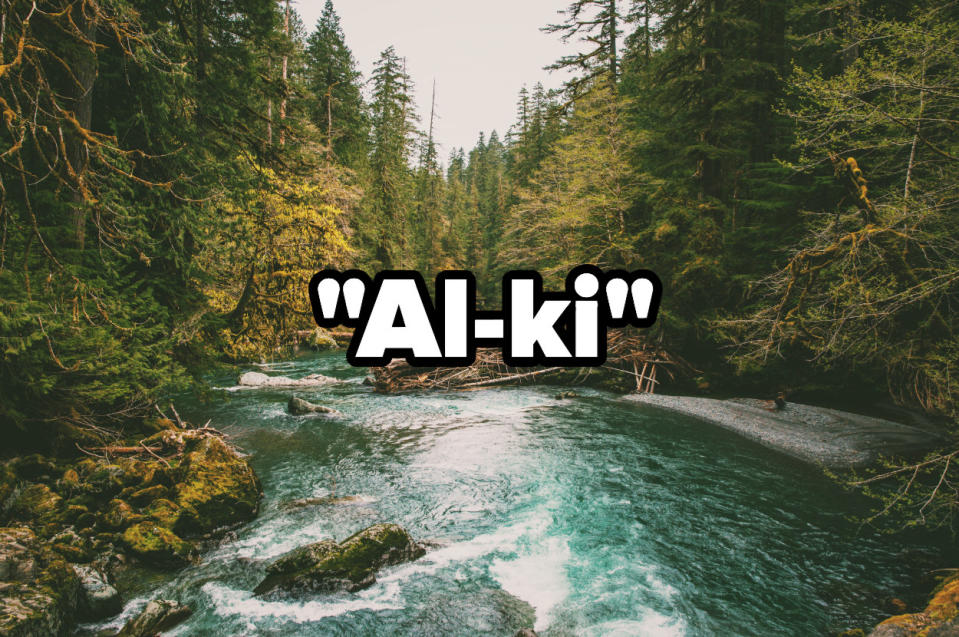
x=576, y=209
x=385, y=226
x=429, y=220
x=598, y=24
x=336, y=103
x=456, y=212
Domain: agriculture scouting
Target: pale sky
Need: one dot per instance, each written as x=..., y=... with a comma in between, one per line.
x=480, y=52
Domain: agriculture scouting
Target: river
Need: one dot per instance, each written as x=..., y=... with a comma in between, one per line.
x=606, y=517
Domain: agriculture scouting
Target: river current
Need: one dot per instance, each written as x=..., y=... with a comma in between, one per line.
x=584, y=516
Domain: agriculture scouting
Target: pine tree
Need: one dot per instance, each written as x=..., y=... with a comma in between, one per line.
x=429, y=222
x=537, y=128
x=385, y=226
x=457, y=213
x=598, y=24
x=336, y=102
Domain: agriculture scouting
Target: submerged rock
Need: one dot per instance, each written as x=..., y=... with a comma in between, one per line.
x=159, y=616
x=565, y=395
x=351, y=565
x=328, y=500
x=300, y=407
x=99, y=598
x=258, y=379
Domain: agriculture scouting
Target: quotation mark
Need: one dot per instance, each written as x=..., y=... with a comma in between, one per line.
x=618, y=291
x=330, y=290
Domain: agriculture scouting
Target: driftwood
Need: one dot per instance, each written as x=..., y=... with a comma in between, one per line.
x=126, y=451
x=172, y=441
x=628, y=353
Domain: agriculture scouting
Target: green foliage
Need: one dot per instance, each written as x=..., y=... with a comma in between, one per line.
x=333, y=83
x=384, y=227
x=873, y=281
x=133, y=135
x=577, y=206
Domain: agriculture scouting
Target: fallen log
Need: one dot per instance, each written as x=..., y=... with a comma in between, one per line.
x=511, y=378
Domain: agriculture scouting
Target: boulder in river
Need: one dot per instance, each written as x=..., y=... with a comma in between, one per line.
x=216, y=488
x=157, y=545
x=159, y=616
x=99, y=598
x=300, y=407
x=826, y=437
x=351, y=565
x=259, y=379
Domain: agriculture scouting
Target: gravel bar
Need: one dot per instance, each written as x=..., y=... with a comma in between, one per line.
x=826, y=437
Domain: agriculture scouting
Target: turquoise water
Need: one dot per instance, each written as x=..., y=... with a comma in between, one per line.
x=605, y=517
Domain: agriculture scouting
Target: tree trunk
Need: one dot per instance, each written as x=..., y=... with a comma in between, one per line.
x=286, y=31
x=613, y=52
x=85, y=70
x=851, y=16
x=915, y=138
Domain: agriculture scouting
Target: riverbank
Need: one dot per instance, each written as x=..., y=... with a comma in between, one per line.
x=73, y=531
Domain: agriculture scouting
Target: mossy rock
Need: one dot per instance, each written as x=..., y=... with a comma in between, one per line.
x=40, y=590
x=218, y=488
x=118, y=515
x=105, y=480
x=37, y=502
x=158, y=617
x=70, y=478
x=350, y=565
x=29, y=611
x=72, y=513
x=71, y=553
x=141, y=473
x=72, y=546
x=146, y=496
x=157, y=545
x=164, y=512
x=322, y=340
x=35, y=468
x=940, y=618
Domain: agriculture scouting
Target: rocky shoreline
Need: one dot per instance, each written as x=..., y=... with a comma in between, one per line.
x=70, y=529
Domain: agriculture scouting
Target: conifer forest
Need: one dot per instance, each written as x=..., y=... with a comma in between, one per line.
x=172, y=174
